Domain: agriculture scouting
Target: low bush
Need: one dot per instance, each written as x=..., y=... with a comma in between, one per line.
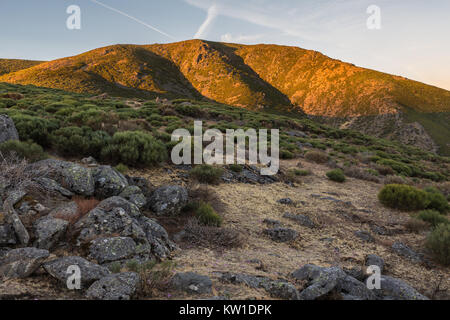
x=336, y=175
x=358, y=173
x=316, y=156
x=75, y=141
x=214, y=237
x=235, y=168
x=123, y=169
x=438, y=242
x=36, y=129
x=433, y=217
x=207, y=174
x=24, y=150
x=403, y=197
x=135, y=148
x=398, y=167
x=207, y=216
x=437, y=200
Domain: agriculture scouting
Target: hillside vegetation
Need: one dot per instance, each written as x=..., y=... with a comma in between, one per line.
x=13, y=65
x=257, y=77
x=240, y=75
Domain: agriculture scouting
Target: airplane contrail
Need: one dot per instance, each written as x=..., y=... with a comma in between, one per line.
x=133, y=18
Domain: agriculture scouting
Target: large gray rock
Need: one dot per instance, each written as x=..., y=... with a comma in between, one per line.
x=116, y=216
x=192, y=283
x=79, y=180
x=396, y=289
x=281, y=234
x=112, y=249
x=323, y=281
x=13, y=218
x=118, y=202
x=49, y=231
x=8, y=130
x=157, y=237
x=7, y=235
x=135, y=195
x=168, y=200
x=99, y=223
x=51, y=187
x=119, y=286
x=108, y=182
x=20, y=263
x=70, y=176
x=90, y=272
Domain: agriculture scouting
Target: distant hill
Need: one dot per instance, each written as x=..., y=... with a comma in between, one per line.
x=13, y=65
x=269, y=77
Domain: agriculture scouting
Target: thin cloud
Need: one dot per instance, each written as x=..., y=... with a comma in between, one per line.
x=213, y=12
x=134, y=19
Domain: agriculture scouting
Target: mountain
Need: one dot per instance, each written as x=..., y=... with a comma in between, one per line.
x=13, y=65
x=255, y=77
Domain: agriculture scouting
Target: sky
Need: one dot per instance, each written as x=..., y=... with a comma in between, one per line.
x=412, y=39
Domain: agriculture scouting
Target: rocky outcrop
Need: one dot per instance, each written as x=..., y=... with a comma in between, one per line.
x=108, y=182
x=20, y=263
x=168, y=200
x=8, y=130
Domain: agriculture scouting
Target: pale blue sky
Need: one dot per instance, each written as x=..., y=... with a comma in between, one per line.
x=413, y=41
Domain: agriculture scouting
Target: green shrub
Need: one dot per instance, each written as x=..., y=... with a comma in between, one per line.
x=403, y=197
x=235, y=168
x=208, y=216
x=300, y=173
x=207, y=174
x=75, y=141
x=437, y=200
x=286, y=154
x=123, y=169
x=438, y=242
x=36, y=129
x=336, y=175
x=398, y=167
x=28, y=150
x=432, y=216
x=135, y=148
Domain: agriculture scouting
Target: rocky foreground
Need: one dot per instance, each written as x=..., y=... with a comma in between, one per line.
x=42, y=233
x=131, y=236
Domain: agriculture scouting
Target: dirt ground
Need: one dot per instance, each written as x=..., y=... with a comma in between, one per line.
x=332, y=243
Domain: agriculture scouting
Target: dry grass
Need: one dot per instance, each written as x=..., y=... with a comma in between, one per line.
x=212, y=237
x=416, y=225
x=317, y=157
x=84, y=207
x=359, y=173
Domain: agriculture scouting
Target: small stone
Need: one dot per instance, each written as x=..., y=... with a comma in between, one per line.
x=281, y=234
x=301, y=219
x=364, y=235
x=192, y=283
x=119, y=286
